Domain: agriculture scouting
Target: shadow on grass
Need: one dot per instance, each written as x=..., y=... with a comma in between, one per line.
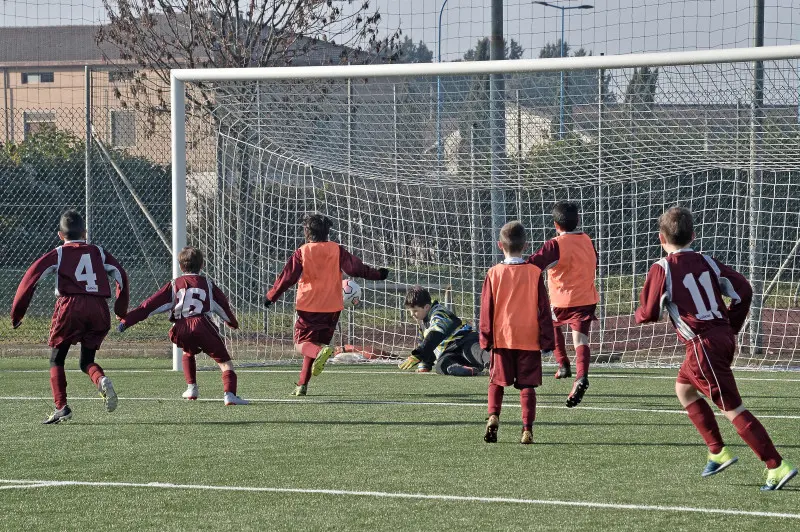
x=476, y=423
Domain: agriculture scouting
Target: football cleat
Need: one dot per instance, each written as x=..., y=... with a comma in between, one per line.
x=564, y=372
x=300, y=390
x=527, y=437
x=108, y=394
x=62, y=414
x=192, y=392
x=233, y=400
x=322, y=357
x=778, y=477
x=719, y=462
x=492, y=423
x=578, y=389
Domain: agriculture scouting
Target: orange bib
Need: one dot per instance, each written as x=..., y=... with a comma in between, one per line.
x=571, y=281
x=515, y=291
x=320, y=285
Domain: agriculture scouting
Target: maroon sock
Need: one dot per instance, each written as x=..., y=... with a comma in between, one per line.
x=527, y=398
x=190, y=368
x=706, y=424
x=495, y=399
x=307, y=349
x=95, y=373
x=582, y=361
x=58, y=383
x=755, y=435
x=229, y=381
x=305, y=372
x=560, y=351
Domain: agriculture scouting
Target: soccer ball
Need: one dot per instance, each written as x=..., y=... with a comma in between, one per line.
x=351, y=292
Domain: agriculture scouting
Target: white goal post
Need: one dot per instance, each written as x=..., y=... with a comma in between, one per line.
x=372, y=146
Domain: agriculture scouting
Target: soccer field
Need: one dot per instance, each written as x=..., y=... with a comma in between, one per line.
x=373, y=448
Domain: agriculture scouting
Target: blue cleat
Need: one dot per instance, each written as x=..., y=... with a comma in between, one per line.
x=719, y=462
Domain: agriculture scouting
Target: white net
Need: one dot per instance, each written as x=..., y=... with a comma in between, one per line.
x=408, y=171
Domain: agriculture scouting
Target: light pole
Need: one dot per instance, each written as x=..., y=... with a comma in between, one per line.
x=439, y=89
x=561, y=96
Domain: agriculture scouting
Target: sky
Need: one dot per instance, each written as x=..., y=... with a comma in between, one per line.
x=612, y=26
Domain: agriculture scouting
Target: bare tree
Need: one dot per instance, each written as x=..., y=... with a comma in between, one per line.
x=158, y=35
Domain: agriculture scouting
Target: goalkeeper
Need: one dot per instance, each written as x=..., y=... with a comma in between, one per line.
x=447, y=344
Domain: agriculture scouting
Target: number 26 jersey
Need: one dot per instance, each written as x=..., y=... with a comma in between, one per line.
x=690, y=286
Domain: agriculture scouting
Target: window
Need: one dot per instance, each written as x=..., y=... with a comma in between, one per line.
x=37, y=77
x=119, y=76
x=123, y=129
x=38, y=121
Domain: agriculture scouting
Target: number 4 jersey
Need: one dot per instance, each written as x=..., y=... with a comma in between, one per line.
x=690, y=286
x=188, y=296
x=81, y=269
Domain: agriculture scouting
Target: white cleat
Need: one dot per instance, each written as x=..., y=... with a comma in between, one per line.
x=191, y=393
x=232, y=400
x=108, y=394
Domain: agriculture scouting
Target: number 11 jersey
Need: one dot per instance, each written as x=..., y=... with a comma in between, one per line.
x=690, y=286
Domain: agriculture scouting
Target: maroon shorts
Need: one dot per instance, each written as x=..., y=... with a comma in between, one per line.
x=578, y=318
x=315, y=327
x=80, y=319
x=707, y=367
x=199, y=334
x=516, y=367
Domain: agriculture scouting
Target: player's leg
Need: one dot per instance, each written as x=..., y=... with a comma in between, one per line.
x=98, y=377
x=502, y=373
x=229, y=383
x=58, y=384
x=456, y=365
x=309, y=350
x=189, y=362
x=209, y=340
x=560, y=352
x=580, y=340
x=327, y=329
x=529, y=376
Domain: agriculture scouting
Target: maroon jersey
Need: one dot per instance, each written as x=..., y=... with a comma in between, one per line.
x=691, y=285
x=188, y=296
x=80, y=269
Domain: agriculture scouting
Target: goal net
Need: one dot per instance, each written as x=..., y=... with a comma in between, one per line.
x=419, y=165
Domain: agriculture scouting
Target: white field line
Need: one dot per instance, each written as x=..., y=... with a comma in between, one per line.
x=330, y=371
x=412, y=496
x=385, y=403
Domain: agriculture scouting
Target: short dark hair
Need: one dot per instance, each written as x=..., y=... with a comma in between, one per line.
x=512, y=237
x=416, y=296
x=191, y=260
x=565, y=214
x=72, y=225
x=677, y=225
x=316, y=227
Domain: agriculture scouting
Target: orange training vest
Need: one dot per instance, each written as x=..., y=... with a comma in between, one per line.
x=320, y=285
x=515, y=291
x=571, y=281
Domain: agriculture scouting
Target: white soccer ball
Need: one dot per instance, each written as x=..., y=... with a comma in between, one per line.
x=351, y=292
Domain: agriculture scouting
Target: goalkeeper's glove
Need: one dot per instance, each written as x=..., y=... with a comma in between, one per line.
x=409, y=363
x=121, y=327
x=384, y=273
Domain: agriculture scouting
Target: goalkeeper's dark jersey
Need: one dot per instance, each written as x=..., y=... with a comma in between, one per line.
x=441, y=331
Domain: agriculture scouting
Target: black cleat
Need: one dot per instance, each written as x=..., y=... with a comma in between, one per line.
x=564, y=372
x=491, y=429
x=578, y=389
x=62, y=414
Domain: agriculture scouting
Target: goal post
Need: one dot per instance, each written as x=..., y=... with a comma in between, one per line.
x=406, y=178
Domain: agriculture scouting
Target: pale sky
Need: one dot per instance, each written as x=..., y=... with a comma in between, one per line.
x=613, y=26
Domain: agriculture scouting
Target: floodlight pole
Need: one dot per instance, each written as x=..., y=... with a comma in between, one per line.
x=178, y=141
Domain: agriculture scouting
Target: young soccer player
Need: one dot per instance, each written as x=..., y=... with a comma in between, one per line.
x=570, y=260
x=447, y=345
x=516, y=326
x=81, y=312
x=691, y=285
x=316, y=267
x=191, y=299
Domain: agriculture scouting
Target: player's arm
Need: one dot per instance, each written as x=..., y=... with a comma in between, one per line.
x=547, y=256
x=651, y=300
x=44, y=265
x=288, y=278
x=355, y=267
x=736, y=286
x=123, y=292
x=547, y=340
x=222, y=308
x=485, y=332
x=160, y=302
